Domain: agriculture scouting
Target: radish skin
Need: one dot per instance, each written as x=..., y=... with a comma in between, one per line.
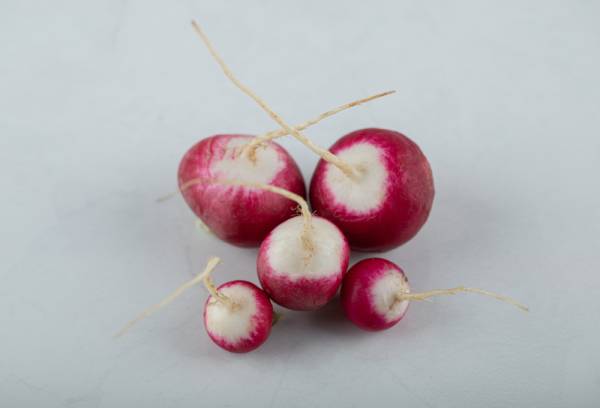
x=235, y=214
x=297, y=280
x=389, y=200
x=369, y=292
x=244, y=323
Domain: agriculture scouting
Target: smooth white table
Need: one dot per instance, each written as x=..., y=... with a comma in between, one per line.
x=100, y=100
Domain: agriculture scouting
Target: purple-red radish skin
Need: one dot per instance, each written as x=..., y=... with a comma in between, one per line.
x=395, y=211
x=306, y=292
x=239, y=215
x=258, y=324
x=359, y=295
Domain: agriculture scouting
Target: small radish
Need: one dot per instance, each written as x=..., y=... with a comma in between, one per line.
x=235, y=215
x=302, y=261
x=375, y=294
x=238, y=315
x=300, y=276
x=387, y=198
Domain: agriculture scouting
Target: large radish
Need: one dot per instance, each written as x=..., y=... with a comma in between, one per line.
x=234, y=214
x=388, y=197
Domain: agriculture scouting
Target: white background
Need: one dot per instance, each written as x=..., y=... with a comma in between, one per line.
x=99, y=101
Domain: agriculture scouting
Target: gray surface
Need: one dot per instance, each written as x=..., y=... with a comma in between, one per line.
x=100, y=101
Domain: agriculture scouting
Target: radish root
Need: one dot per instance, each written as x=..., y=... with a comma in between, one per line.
x=202, y=277
x=460, y=289
x=217, y=296
x=306, y=238
x=261, y=140
x=325, y=154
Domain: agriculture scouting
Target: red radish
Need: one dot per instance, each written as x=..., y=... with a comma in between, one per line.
x=234, y=214
x=299, y=278
x=375, y=294
x=302, y=261
x=387, y=199
x=238, y=315
x=369, y=294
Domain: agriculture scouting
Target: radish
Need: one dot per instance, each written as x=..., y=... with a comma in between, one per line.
x=300, y=275
x=238, y=315
x=387, y=198
x=232, y=214
x=375, y=294
x=302, y=261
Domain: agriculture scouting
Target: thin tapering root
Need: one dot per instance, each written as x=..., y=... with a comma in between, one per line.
x=306, y=237
x=325, y=154
x=212, y=263
x=261, y=140
x=166, y=197
x=459, y=289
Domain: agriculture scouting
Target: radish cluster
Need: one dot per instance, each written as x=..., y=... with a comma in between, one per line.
x=371, y=191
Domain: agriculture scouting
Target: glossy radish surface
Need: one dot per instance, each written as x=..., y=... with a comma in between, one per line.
x=237, y=214
x=388, y=200
x=242, y=323
x=370, y=294
x=299, y=279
